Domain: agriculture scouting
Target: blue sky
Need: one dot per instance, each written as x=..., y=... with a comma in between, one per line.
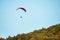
x=40, y=13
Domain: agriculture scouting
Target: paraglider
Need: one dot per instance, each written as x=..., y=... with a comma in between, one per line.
x=22, y=9
x=20, y=16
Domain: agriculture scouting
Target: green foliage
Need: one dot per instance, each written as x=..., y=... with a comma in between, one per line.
x=51, y=33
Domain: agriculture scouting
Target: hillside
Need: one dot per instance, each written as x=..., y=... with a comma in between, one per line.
x=50, y=33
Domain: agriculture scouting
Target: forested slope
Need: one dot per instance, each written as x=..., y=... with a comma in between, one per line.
x=50, y=33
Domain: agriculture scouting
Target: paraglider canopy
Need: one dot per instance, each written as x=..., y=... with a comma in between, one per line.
x=22, y=9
